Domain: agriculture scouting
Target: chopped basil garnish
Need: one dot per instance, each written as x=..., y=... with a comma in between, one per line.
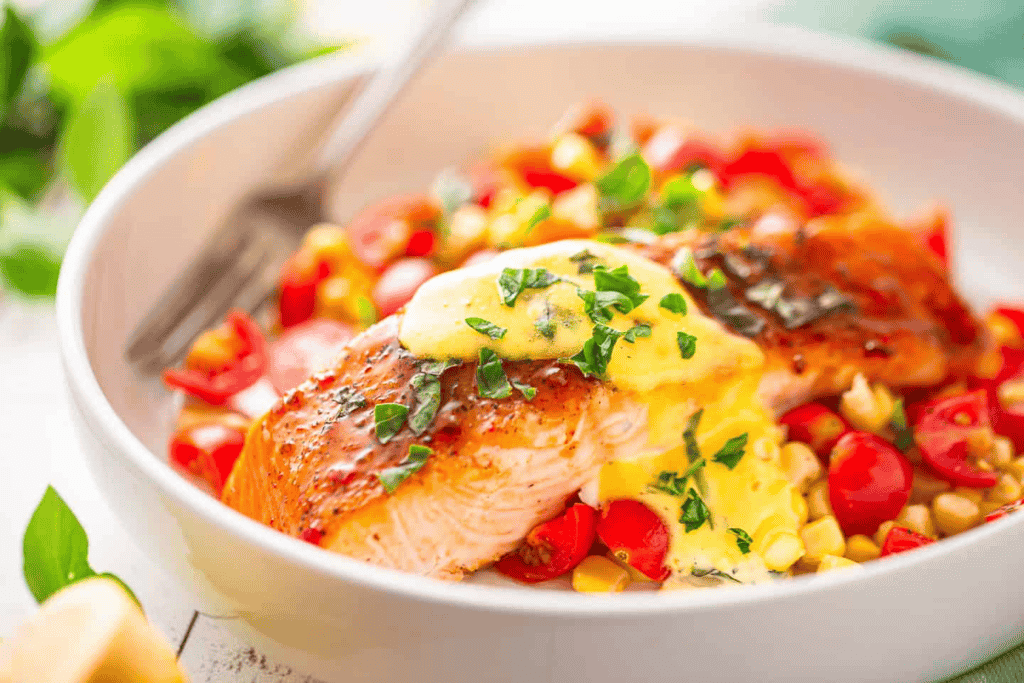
x=543, y=211
x=674, y=303
x=741, y=320
x=513, y=281
x=685, y=267
x=437, y=367
x=597, y=304
x=716, y=279
x=730, y=454
x=427, y=390
x=586, y=261
x=392, y=477
x=388, y=419
x=526, y=390
x=619, y=280
x=743, y=539
x=491, y=381
x=693, y=449
x=486, y=327
x=766, y=293
x=904, y=439
x=694, y=512
x=596, y=352
x=687, y=344
x=626, y=184
x=640, y=330
x=717, y=573
x=366, y=311
x=671, y=483
x=679, y=191
x=545, y=324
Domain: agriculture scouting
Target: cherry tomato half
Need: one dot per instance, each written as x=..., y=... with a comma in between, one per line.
x=208, y=451
x=636, y=535
x=672, y=149
x=552, y=548
x=868, y=482
x=218, y=386
x=944, y=433
x=900, y=539
x=593, y=119
x=816, y=426
x=298, y=280
x=399, y=282
x=757, y=161
x=381, y=232
x=305, y=349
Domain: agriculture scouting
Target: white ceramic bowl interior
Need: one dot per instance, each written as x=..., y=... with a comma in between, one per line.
x=919, y=131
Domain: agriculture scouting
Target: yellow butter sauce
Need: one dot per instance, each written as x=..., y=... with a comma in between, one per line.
x=721, y=378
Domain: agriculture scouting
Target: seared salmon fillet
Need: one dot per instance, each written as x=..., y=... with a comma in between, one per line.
x=499, y=467
x=823, y=302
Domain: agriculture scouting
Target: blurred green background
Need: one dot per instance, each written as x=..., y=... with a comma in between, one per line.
x=85, y=83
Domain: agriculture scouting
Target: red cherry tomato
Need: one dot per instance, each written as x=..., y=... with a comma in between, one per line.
x=421, y=243
x=218, y=386
x=542, y=177
x=1005, y=510
x=636, y=535
x=208, y=451
x=822, y=199
x=868, y=482
x=312, y=535
x=399, y=282
x=486, y=180
x=943, y=433
x=1014, y=315
x=900, y=539
x=594, y=119
x=553, y=548
x=305, y=349
x=671, y=149
x=298, y=280
x=816, y=426
x=381, y=232
x=759, y=161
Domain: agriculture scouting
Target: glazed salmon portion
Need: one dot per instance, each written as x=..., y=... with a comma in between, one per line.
x=498, y=468
x=832, y=298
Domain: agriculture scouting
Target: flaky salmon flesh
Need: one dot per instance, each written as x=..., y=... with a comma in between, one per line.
x=823, y=301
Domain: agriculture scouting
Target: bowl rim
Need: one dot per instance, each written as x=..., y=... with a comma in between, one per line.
x=845, y=53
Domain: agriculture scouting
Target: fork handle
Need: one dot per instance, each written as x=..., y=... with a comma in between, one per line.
x=353, y=126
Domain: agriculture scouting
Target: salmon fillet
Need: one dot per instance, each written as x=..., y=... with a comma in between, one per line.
x=853, y=300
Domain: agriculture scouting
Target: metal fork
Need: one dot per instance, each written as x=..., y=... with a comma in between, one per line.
x=240, y=265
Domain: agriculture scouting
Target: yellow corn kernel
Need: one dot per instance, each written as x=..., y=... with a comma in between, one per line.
x=800, y=464
x=214, y=349
x=512, y=228
x=1006, y=490
x=326, y=242
x=579, y=207
x=954, y=513
x=576, y=157
x=338, y=296
x=973, y=495
x=830, y=562
x=1003, y=329
x=712, y=204
x=987, y=507
x=818, y=504
x=1016, y=468
x=779, y=549
x=800, y=508
x=195, y=413
x=883, y=530
x=861, y=548
x=917, y=518
x=1011, y=393
x=1002, y=453
x=926, y=487
x=865, y=408
x=465, y=231
x=822, y=537
x=598, y=574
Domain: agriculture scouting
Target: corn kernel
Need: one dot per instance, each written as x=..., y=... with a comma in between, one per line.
x=1011, y=393
x=1006, y=490
x=1016, y=468
x=579, y=207
x=973, y=495
x=214, y=349
x=800, y=508
x=818, y=504
x=865, y=408
x=861, y=548
x=917, y=518
x=822, y=537
x=512, y=228
x=195, y=413
x=987, y=507
x=800, y=464
x=326, y=242
x=597, y=574
x=780, y=550
x=1002, y=453
x=466, y=229
x=712, y=204
x=954, y=513
x=926, y=486
x=883, y=530
x=338, y=296
x=576, y=157
x=831, y=562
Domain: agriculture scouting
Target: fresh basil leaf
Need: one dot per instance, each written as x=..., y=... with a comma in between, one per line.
x=626, y=184
x=674, y=303
x=693, y=449
x=619, y=280
x=904, y=435
x=55, y=548
x=98, y=140
x=687, y=344
x=388, y=419
x=671, y=483
x=437, y=367
x=593, y=358
x=743, y=539
x=640, y=330
x=716, y=279
x=694, y=512
x=679, y=191
x=685, y=266
x=513, y=281
x=486, y=327
x=393, y=477
x=597, y=305
x=586, y=261
x=717, y=573
x=545, y=324
x=30, y=269
x=730, y=454
x=526, y=390
x=427, y=391
x=491, y=381
x=17, y=48
x=543, y=212
x=366, y=311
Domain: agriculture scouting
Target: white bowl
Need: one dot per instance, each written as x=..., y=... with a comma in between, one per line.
x=918, y=129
